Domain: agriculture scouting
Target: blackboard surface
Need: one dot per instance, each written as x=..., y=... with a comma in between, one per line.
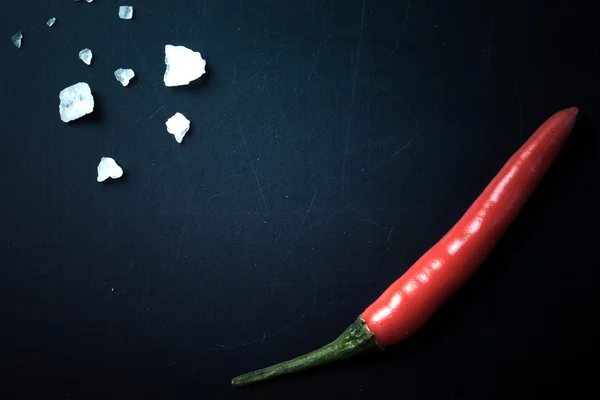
x=332, y=143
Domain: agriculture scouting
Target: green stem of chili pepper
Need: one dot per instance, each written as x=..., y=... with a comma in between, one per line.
x=355, y=340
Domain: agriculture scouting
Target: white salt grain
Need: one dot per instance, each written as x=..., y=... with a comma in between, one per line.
x=125, y=12
x=108, y=168
x=183, y=65
x=51, y=22
x=178, y=126
x=16, y=39
x=86, y=55
x=124, y=75
x=75, y=102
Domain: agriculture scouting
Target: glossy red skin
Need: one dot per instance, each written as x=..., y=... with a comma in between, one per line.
x=412, y=299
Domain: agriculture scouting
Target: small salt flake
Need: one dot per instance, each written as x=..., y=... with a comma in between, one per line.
x=124, y=76
x=125, y=12
x=108, y=168
x=16, y=39
x=85, y=55
x=182, y=65
x=178, y=125
x=75, y=102
x=51, y=22
x=89, y=1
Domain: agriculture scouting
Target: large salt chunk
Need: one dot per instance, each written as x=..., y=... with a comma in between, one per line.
x=178, y=126
x=124, y=76
x=51, y=21
x=85, y=55
x=125, y=12
x=108, y=168
x=75, y=102
x=16, y=39
x=183, y=65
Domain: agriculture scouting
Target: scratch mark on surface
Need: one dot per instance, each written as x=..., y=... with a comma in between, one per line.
x=312, y=69
x=373, y=223
x=300, y=318
x=144, y=66
x=270, y=125
x=441, y=101
x=389, y=235
x=282, y=49
x=180, y=243
x=329, y=217
x=215, y=195
x=403, y=104
x=312, y=12
x=402, y=32
x=352, y=98
x=272, y=285
x=339, y=31
x=403, y=147
x=285, y=328
x=144, y=312
x=260, y=190
x=204, y=13
x=302, y=224
x=489, y=48
x=74, y=33
x=518, y=93
x=156, y=112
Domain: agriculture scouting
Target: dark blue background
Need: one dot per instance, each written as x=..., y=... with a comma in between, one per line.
x=332, y=143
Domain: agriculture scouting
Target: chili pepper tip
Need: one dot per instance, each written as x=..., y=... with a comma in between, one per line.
x=355, y=340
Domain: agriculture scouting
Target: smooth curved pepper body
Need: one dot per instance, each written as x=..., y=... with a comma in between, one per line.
x=412, y=299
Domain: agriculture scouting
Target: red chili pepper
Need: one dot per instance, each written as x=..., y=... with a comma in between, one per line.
x=412, y=299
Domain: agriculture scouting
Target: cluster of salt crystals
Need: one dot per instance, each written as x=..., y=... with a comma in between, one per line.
x=183, y=65
x=75, y=102
x=178, y=125
x=125, y=12
x=108, y=168
x=16, y=39
x=85, y=55
x=124, y=76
